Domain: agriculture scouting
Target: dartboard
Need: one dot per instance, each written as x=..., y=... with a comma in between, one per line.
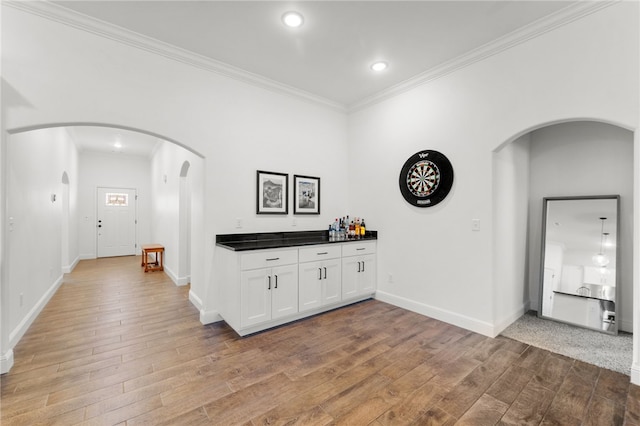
x=423, y=178
x=426, y=178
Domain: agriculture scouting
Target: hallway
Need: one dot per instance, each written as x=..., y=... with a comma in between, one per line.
x=117, y=345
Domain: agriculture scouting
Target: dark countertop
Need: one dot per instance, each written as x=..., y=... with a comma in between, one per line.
x=584, y=297
x=269, y=240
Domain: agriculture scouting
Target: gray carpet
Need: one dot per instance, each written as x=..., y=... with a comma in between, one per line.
x=604, y=350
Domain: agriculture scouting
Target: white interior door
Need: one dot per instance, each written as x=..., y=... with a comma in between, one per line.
x=116, y=222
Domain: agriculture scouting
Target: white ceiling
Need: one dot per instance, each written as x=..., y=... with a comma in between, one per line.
x=329, y=56
x=102, y=139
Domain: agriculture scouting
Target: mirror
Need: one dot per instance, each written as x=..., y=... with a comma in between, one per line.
x=579, y=284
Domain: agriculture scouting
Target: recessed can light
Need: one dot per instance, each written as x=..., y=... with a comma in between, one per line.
x=292, y=19
x=379, y=66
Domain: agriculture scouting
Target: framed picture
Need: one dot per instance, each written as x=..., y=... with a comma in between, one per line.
x=306, y=193
x=272, y=193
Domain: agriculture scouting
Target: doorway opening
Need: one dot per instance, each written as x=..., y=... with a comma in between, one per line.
x=117, y=222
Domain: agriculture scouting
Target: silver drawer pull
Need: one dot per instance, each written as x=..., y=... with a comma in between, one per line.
x=273, y=258
x=361, y=248
x=324, y=252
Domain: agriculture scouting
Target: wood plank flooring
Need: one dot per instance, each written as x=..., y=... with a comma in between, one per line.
x=116, y=346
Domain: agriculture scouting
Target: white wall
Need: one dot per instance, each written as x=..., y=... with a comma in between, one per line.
x=238, y=128
x=38, y=161
x=510, y=206
x=583, y=158
x=167, y=160
x=588, y=68
x=112, y=171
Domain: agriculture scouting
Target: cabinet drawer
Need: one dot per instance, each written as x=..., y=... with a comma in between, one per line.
x=321, y=252
x=356, y=249
x=267, y=259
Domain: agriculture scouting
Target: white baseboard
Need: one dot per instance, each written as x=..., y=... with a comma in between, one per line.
x=635, y=373
x=626, y=326
x=481, y=327
x=208, y=317
x=179, y=281
x=69, y=268
x=195, y=300
x=6, y=361
x=87, y=256
x=18, y=332
x=503, y=323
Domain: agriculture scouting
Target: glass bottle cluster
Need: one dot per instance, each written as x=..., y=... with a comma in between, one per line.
x=343, y=229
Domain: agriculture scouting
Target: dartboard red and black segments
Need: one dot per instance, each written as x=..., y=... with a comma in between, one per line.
x=423, y=178
x=426, y=178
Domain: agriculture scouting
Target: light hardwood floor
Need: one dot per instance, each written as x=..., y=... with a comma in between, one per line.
x=118, y=346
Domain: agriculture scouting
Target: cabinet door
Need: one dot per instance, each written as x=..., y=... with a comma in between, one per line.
x=331, y=282
x=284, y=291
x=367, y=275
x=310, y=285
x=255, y=297
x=350, y=276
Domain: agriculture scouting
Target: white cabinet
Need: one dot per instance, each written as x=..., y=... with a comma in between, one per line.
x=268, y=293
x=319, y=276
x=358, y=269
x=263, y=288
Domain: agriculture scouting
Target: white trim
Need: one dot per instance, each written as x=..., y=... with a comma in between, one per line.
x=195, y=300
x=521, y=35
x=116, y=33
x=501, y=325
x=626, y=326
x=179, y=281
x=87, y=256
x=6, y=361
x=69, y=268
x=468, y=323
x=18, y=332
x=113, y=32
x=635, y=373
x=208, y=317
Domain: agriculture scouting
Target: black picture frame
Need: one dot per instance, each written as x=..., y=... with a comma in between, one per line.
x=306, y=194
x=272, y=192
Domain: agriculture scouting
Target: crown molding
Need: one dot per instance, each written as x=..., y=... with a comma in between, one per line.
x=60, y=14
x=83, y=22
x=521, y=35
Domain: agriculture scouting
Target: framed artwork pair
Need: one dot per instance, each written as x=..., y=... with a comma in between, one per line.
x=272, y=191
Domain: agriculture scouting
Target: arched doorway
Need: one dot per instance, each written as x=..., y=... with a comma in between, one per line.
x=47, y=161
x=184, y=224
x=65, y=232
x=555, y=159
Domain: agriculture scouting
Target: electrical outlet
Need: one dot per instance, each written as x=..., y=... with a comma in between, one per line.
x=475, y=224
x=390, y=278
x=238, y=222
x=294, y=222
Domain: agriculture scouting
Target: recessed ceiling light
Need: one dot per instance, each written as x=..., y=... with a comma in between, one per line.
x=379, y=66
x=292, y=19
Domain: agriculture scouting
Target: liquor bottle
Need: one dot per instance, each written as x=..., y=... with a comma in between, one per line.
x=357, y=228
x=363, y=229
x=352, y=230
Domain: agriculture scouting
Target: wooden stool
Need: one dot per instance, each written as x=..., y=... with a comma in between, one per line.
x=152, y=248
